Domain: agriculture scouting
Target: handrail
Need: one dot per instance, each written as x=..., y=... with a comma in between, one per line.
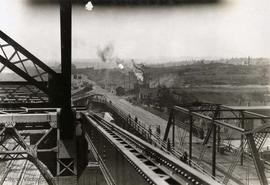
x=157, y=141
x=107, y=175
x=144, y=144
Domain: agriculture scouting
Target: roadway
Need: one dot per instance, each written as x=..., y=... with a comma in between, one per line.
x=144, y=116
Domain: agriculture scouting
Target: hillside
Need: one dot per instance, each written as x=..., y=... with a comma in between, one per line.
x=209, y=74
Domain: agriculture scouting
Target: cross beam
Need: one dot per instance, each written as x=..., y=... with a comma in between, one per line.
x=23, y=74
x=26, y=53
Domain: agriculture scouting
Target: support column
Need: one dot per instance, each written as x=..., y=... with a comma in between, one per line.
x=67, y=149
x=173, y=131
x=218, y=138
x=214, y=150
x=171, y=117
x=256, y=158
x=65, y=23
x=190, y=138
x=242, y=139
x=67, y=120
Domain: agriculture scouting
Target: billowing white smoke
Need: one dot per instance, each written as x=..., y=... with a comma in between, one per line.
x=137, y=70
x=139, y=76
x=121, y=66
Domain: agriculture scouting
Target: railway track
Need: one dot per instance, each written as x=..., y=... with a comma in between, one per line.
x=155, y=165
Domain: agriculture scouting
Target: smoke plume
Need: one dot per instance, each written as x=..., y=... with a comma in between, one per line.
x=106, y=54
x=138, y=71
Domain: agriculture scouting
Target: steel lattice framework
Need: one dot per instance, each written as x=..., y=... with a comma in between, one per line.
x=32, y=85
x=239, y=120
x=33, y=134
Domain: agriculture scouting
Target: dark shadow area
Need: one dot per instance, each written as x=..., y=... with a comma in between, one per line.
x=130, y=2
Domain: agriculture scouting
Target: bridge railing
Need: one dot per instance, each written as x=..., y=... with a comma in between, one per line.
x=154, y=138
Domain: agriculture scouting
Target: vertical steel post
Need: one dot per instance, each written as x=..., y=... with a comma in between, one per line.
x=65, y=24
x=167, y=130
x=216, y=115
x=242, y=139
x=218, y=138
x=259, y=164
x=214, y=150
x=173, y=131
x=67, y=119
x=190, y=138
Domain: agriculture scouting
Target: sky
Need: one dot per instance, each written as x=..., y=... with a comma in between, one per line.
x=233, y=28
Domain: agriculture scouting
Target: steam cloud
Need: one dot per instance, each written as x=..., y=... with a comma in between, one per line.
x=138, y=71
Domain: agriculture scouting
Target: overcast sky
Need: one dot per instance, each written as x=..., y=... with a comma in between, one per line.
x=236, y=28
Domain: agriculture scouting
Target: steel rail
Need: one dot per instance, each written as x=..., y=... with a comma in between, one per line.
x=132, y=157
x=108, y=177
x=183, y=170
x=155, y=139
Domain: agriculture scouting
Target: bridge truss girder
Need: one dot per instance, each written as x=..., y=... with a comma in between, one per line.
x=217, y=117
x=35, y=137
x=28, y=67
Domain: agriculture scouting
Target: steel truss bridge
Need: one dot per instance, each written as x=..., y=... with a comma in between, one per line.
x=250, y=128
x=31, y=129
x=38, y=124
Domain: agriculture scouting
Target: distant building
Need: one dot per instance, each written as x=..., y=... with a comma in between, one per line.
x=78, y=80
x=145, y=93
x=148, y=93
